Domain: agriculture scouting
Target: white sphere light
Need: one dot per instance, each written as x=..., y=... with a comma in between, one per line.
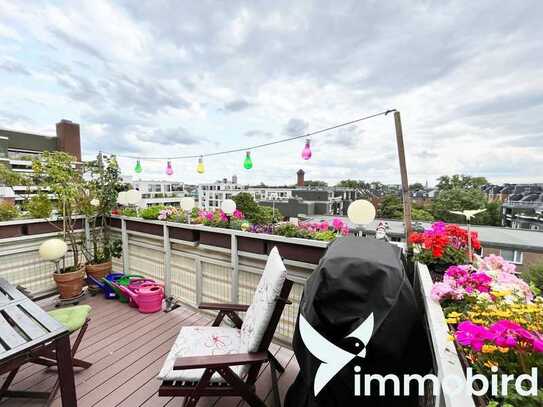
x=361, y=212
x=228, y=206
x=53, y=249
x=187, y=203
x=121, y=198
x=133, y=197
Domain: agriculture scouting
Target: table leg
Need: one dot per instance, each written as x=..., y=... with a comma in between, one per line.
x=65, y=371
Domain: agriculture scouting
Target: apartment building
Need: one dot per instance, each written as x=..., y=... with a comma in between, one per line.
x=157, y=192
x=18, y=149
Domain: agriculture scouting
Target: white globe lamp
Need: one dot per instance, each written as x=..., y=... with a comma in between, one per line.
x=121, y=198
x=133, y=197
x=187, y=203
x=53, y=249
x=228, y=206
x=361, y=212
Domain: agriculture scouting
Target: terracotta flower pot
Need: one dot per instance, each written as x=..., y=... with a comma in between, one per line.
x=99, y=271
x=70, y=284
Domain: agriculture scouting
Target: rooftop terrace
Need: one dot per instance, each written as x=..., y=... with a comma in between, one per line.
x=127, y=349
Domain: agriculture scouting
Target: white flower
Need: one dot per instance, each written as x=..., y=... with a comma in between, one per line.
x=95, y=202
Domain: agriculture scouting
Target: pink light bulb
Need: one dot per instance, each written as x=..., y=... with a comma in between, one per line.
x=169, y=169
x=306, y=152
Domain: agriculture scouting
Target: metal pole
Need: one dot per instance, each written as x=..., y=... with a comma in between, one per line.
x=234, y=262
x=124, y=236
x=405, y=183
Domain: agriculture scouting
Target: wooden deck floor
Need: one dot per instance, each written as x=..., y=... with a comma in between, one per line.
x=127, y=350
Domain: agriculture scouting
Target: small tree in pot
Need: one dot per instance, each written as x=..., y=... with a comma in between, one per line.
x=104, y=185
x=59, y=173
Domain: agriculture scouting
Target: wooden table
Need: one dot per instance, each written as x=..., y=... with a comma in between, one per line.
x=25, y=329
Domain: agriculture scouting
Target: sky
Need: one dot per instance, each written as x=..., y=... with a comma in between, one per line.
x=169, y=78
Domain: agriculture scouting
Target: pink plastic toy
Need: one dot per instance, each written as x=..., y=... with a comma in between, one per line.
x=136, y=283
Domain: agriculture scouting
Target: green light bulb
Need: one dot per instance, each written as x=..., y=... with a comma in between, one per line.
x=138, y=168
x=248, y=163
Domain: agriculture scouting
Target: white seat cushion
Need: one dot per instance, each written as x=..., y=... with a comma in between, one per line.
x=200, y=341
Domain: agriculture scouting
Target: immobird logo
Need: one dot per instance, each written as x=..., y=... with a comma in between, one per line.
x=333, y=358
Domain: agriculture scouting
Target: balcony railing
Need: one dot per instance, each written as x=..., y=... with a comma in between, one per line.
x=204, y=264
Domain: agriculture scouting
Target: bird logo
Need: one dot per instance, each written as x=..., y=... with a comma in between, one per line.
x=332, y=357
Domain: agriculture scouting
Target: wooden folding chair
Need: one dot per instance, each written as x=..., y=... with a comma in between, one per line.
x=225, y=372
x=75, y=319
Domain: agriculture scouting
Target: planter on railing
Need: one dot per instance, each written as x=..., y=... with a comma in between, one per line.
x=188, y=235
x=215, y=239
x=297, y=252
x=115, y=223
x=144, y=227
x=250, y=245
x=7, y=231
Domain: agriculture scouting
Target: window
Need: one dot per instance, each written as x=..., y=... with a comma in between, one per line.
x=513, y=256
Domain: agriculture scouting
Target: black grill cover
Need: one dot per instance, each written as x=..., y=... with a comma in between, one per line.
x=356, y=277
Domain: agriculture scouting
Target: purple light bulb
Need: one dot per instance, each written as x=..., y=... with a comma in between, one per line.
x=169, y=169
x=306, y=152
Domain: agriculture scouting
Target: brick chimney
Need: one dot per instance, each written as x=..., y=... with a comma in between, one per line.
x=68, y=139
x=300, y=174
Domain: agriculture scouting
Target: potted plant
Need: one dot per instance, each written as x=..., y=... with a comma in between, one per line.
x=103, y=186
x=59, y=172
x=441, y=246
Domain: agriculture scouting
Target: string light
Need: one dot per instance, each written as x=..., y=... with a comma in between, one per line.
x=306, y=152
x=200, y=168
x=169, y=169
x=138, y=168
x=248, y=163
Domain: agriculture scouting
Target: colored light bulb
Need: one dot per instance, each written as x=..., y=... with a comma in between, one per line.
x=169, y=168
x=306, y=152
x=200, y=168
x=248, y=163
x=138, y=168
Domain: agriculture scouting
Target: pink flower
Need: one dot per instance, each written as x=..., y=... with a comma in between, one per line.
x=345, y=230
x=472, y=335
x=238, y=214
x=538, y=345
x=337, y=224
x=323, y=226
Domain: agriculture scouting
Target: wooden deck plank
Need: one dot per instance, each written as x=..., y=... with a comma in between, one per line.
x=108, y=355
x=127, y=350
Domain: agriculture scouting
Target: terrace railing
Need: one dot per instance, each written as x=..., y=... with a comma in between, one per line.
x=204, y=264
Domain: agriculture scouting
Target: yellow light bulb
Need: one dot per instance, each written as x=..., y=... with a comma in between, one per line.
x=200, y=168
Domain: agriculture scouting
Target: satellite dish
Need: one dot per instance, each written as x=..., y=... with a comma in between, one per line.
x=361, y=212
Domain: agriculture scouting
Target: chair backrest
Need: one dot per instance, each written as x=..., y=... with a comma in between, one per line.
x=264, y=313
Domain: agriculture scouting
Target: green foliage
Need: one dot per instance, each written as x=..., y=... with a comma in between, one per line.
x=11, y=178
x=446, y=182
x=421, y=215
x=534, y=277
x=106, y=251
x=39, y=206
x=246, y=203
x=151, y=212
x=349, y=183
x=8, y=211
x=265, y=215
x=325, y=235
x=391, y=207
x=291, y=230
x=58, y=172
x=457, y=199
x=130, y=212
x=491, y=217
x=417, y=186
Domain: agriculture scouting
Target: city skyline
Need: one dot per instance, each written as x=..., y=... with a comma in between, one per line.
x=160, y=82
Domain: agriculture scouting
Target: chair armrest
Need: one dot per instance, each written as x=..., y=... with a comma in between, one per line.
x=216, y=361
x=224, y=307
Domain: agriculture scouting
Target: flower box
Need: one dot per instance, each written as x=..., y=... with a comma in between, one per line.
x=56, y=226
x=188, y=235
x=215, y=239
x=144, y=227
x=7, y=231
x=115, y=223
x=298, y=252
x=250, y=245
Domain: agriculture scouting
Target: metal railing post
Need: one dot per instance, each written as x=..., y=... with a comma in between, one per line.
x=124, y=237
x=199, y=280
x=167, y=262
x=234, y=262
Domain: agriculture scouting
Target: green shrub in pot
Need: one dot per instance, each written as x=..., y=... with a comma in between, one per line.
x=151, y=212
x=8, y=211
x=39, y=206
